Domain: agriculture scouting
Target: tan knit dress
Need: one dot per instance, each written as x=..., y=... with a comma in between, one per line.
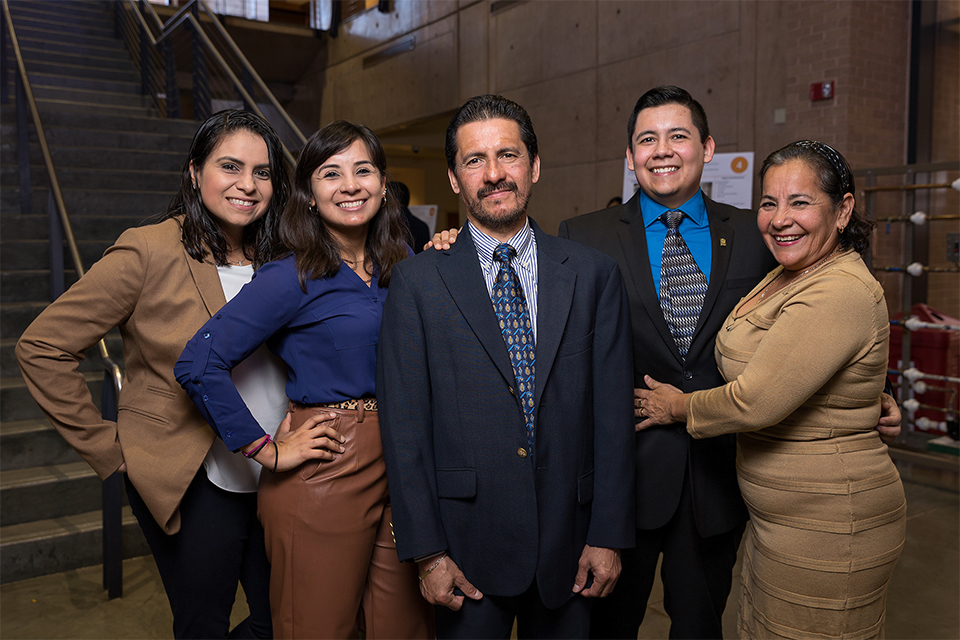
x=827, y=513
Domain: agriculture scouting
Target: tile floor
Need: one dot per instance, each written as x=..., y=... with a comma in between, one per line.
x=923, y=601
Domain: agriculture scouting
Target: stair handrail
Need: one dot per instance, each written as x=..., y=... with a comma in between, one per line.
x=111, y=487
x=249, y=68
x=111, y=367
x=184, y=15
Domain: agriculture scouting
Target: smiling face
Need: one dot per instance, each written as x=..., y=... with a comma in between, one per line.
x=347, y=190
x=667, y=155
x=494, y=175
x=234, y=182
x=798, y=221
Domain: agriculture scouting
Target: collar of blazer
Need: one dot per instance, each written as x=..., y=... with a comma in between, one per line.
x=460, y=272
x=633, y=242
x=207, y=280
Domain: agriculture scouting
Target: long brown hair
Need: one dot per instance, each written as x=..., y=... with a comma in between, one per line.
x=303, y=232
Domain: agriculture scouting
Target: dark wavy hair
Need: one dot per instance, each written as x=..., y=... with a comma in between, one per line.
x=200, y=233
x=835, y=180
x=669, y=94
x=488, y=107
x=302, y=231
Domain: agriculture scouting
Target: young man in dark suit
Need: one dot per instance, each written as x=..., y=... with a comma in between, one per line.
x=689, y=507
x=505, y=399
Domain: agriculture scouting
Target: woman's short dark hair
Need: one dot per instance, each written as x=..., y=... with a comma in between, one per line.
x=200, y=231
x=835, y=180
x=488, y=107
x=302, y=230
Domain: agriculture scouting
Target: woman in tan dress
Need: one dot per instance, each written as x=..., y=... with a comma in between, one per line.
x=805, y=357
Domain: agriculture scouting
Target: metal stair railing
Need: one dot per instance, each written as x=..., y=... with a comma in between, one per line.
x=151, y=44
x=61, y=231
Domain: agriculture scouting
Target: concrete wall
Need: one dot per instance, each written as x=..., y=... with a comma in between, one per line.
x=578, y=66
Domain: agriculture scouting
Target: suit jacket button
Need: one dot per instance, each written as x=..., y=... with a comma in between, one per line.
x=687, y=375
x=522, y=452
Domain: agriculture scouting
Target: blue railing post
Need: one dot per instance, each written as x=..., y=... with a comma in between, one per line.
x=117, y=18
x=112, y=498
x=23, y=148
x=173, y=91
x=144, y=61
x=247, y=81
x=4, y=91
x=201, y=86
x=57, y=278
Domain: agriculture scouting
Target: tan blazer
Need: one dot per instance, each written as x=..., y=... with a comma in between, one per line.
x=148, y=286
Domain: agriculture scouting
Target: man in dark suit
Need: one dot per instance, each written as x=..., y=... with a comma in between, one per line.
x=689, y=507
x=417, y=231
x=511, y=476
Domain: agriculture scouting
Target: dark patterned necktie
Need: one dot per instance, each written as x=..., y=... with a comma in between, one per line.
x=682, y=285
x=511, y=309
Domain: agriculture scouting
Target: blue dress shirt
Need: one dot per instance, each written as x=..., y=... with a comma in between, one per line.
x=327, y=337
x=695, y=230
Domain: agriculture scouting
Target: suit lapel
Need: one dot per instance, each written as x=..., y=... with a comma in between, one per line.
x=632, y=235
x=721, y=240
x=461, y=274
x=207, y=280
x=555, y=288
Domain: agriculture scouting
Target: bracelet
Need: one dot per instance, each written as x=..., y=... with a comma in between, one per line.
x=276, y=457
x=265, y=442
x=433, y=566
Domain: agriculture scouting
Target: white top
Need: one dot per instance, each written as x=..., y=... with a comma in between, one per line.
x=260, y=379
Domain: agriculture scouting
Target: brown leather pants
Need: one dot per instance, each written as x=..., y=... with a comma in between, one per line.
x=334, y=567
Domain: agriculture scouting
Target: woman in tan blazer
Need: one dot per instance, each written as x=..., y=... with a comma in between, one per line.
x=158, y=284
x=805, y=358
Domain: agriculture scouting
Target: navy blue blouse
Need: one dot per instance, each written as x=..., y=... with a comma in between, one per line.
x=327, y=337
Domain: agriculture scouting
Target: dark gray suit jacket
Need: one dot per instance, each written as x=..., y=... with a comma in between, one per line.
x=453, y=432
x=664, y=454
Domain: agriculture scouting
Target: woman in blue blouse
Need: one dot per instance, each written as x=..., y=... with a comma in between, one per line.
x=334, y=566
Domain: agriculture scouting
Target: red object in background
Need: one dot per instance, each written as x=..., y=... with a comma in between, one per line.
x=932, y=351
x=822, y=90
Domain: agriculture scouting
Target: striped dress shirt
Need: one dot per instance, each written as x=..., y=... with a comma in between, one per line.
x=525, y=264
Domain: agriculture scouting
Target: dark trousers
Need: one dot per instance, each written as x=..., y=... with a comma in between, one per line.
x=493, y=616
x=696, y=572
x=220, y=543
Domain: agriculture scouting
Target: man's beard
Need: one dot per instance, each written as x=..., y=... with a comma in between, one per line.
x=502, y=220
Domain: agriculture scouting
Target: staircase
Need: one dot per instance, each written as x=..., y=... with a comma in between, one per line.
x=117, y=164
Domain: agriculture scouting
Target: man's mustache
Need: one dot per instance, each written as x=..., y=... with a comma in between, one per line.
x=500, y=186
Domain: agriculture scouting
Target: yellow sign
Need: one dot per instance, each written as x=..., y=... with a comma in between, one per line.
x=739, y=164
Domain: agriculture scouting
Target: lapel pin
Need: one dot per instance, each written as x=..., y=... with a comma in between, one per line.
x=723, y=242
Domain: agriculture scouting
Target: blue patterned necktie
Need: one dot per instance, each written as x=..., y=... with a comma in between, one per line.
x=511, y=309
x=682, y=285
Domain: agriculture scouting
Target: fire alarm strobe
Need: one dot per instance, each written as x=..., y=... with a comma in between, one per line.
x=821, y=91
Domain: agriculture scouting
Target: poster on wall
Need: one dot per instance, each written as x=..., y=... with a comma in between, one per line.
x=728, y=178
x=427, y=213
